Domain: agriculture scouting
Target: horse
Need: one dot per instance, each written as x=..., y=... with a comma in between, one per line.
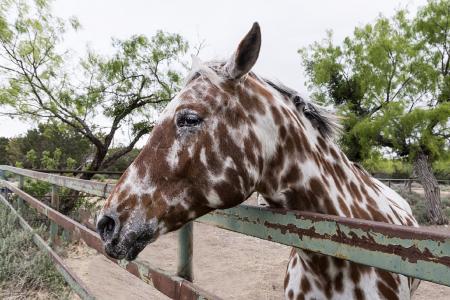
x=229, y=133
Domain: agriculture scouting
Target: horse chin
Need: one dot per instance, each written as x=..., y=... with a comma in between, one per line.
x=138, y=246
x=133, y=252
x=130, y=245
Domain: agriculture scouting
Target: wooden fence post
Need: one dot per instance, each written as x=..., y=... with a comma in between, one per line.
x=55, y=205
x=2, y=177
x=20, y=205
x=185, y=249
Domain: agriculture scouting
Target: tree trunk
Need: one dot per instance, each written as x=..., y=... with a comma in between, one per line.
x=69, y=203
x=422, y=168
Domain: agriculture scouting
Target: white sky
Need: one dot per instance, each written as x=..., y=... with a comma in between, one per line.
x=286, y=26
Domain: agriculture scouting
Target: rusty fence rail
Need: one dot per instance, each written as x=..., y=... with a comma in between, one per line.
x=410, y=251
x=172, y=286
x=400, y=249
x=71, y=278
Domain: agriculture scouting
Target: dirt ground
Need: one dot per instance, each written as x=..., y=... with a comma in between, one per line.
x=230, y=265
x=106, y=280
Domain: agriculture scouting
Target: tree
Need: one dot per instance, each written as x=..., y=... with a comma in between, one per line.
x=125, y=161
x=98, y=97
x=3, y=143
x=50, y=145
x=390, y=82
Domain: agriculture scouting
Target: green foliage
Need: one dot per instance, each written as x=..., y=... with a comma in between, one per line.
x=36, y=188
x=442, y=167
x=49, y=146
x=70, y=163
x=51, y=161
x=143, y=72
x=123, y=162
x=3, y=143
x=42, y=191
x=31, y=157
x=389, y=81
x=382, y=167
x=46, y=161
x=24, y=270
x=124, y=89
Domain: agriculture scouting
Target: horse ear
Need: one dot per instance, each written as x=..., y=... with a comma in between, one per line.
x=244, y=58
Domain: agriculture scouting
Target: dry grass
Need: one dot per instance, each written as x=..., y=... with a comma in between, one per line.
x=418, y=206
x=25, y=271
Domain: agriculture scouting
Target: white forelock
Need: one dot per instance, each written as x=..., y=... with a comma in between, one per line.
x=199, y=67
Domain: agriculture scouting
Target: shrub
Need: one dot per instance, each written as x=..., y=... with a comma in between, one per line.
x=25, y=271
x=418, y=206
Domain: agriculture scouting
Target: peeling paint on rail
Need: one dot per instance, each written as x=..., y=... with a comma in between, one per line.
x=407, y=250
x=172, y=286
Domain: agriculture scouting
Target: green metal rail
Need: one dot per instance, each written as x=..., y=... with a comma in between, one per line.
x=406, y=250
x=410, y=251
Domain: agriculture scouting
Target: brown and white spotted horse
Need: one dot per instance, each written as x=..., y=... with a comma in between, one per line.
x=230, y=133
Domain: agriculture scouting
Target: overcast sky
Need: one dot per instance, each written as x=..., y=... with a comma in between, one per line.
x=286, y=26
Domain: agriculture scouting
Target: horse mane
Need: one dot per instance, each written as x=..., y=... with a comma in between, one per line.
x=321, y=118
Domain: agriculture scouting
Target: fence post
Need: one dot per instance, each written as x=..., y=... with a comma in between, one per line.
x=2, y=177
x=185, y=247
x=55, y=205
x=20, y=200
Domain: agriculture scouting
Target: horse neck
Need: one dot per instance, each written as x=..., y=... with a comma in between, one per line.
x=305, y=170
x=315, y=175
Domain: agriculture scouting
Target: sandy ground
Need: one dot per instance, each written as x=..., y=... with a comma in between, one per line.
x=230, y=265
x=106, y=280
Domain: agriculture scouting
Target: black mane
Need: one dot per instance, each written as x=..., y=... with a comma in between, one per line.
x=321, y=118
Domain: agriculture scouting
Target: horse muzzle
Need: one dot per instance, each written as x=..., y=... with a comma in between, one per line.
x=127, y=240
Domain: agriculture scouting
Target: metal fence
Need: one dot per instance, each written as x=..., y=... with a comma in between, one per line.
x=410, y=251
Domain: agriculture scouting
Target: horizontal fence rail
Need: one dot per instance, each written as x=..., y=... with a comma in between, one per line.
x=407, y=250
x=446, y=181
x=85, y=186
x=72, y=279
x=172, y=286
x=55, y=171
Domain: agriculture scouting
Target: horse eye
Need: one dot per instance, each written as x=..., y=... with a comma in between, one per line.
x=188, y=120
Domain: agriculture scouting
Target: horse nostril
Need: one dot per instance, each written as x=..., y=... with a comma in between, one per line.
x=105, y=227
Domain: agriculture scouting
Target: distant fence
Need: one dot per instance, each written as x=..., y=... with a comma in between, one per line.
x=389, y=181
x=410, y=251
x=409, y=180
x=55, y=171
